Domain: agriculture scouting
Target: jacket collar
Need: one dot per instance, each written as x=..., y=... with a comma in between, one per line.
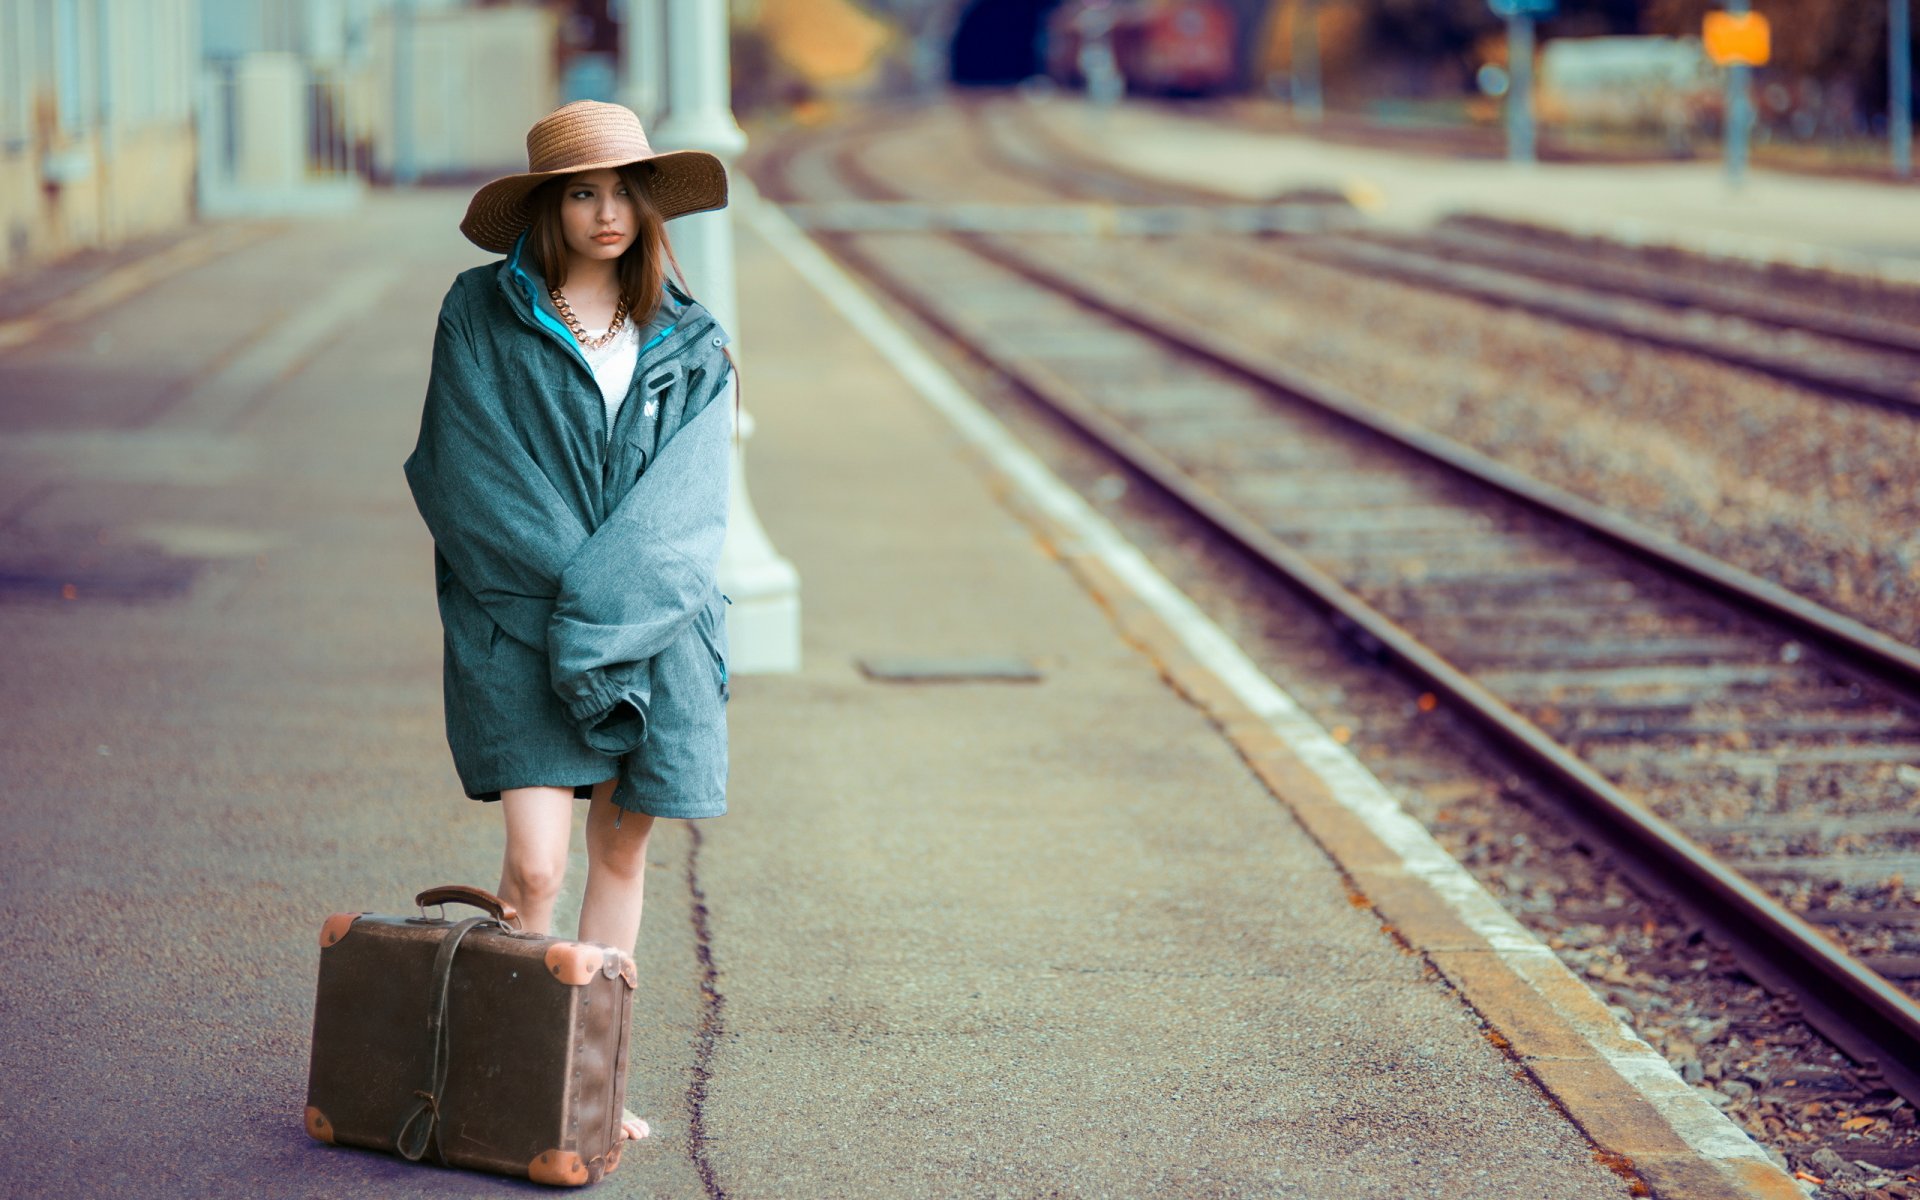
x=526, y=293
x=529, y=301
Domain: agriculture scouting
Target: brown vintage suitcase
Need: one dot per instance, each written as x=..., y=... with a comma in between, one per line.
x=471, y=1043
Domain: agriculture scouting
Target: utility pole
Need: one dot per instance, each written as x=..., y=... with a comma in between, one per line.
x=1520, y=147
x=1304, y=79
x=763, y=626
x=932, y=24
x=1900, y=86
x=1520, y=15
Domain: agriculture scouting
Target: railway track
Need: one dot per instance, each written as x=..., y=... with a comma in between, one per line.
x=1734, y=744
x=1859, y=356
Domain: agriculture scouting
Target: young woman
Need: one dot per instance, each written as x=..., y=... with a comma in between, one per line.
x=572, y=468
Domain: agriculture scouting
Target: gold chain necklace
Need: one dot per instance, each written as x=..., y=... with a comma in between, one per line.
x=579, y=330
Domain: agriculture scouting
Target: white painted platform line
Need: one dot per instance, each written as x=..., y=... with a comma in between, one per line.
x=1705, y=1128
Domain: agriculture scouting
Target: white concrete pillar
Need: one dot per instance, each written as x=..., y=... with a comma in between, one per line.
x=763, y=626
x=643, y=66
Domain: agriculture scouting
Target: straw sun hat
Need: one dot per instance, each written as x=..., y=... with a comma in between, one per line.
x=586, y=136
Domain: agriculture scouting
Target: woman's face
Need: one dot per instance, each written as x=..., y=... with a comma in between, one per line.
x=598, y=219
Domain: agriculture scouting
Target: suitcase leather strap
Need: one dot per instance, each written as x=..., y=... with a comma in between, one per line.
x=416, y=1133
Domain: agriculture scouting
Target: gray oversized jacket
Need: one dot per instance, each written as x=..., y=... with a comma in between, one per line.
x=585, y=635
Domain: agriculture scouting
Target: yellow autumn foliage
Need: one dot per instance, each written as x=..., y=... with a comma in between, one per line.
x=825, y=41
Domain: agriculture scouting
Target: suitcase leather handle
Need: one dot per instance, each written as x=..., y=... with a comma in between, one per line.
x=459, y=893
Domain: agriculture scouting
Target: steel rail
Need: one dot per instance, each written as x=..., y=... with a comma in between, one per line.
x=1861, y=646
x=1437, y=271
x=1886, y=658
x=1478, y=242
x=1861, y=1012
x=1506, y=287
x=1875, y=653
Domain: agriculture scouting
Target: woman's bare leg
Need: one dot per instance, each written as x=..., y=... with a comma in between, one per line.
x=539, y=829
x=616, y=888
x=616, y=872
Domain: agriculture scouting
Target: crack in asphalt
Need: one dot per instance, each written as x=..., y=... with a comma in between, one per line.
x=712, y=1004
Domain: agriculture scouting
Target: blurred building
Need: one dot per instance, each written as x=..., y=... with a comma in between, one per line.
x=276, y=111
x=125, y=117
x=96, y=121
x=454, y=89
x=307, y=99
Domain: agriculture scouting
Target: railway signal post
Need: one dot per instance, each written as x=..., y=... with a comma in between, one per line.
x=1738, y=39
x=1900, y=85
x=1520, y=16
x=1304, y=81
x=763, y=626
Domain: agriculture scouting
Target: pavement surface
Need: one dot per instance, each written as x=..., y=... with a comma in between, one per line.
x=1776, y=214
x=1047, y=938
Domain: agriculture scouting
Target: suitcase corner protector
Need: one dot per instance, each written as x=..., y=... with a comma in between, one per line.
x=318, y=1127
x=559, y=1168
x=336, y=926
x=575, y=963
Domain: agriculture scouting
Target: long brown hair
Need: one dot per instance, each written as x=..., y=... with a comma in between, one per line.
x=642, y=270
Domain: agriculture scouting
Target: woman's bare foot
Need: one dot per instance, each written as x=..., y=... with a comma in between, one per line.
x=632, y=1128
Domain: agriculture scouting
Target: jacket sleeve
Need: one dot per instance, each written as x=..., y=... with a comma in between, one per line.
x=639, y=581
x=494, y=515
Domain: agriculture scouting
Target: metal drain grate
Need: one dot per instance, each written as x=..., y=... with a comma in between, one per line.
x=976, y=669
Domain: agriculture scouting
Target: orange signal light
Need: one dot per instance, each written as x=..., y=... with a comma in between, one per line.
x=1738, y=39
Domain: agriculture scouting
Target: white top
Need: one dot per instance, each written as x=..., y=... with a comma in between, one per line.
x=613, y=366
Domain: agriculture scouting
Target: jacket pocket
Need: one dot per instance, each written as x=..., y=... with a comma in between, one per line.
x=635, y=434
x=660, y=382
x=661, y=397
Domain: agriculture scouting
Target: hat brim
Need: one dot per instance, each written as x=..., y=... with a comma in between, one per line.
x=678, y=182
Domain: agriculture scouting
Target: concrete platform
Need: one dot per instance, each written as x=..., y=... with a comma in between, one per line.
x=1017, y=939
x=1842, y=224
x=1048, y=938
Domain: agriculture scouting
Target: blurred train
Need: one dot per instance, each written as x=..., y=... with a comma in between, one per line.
x=1159, y=47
